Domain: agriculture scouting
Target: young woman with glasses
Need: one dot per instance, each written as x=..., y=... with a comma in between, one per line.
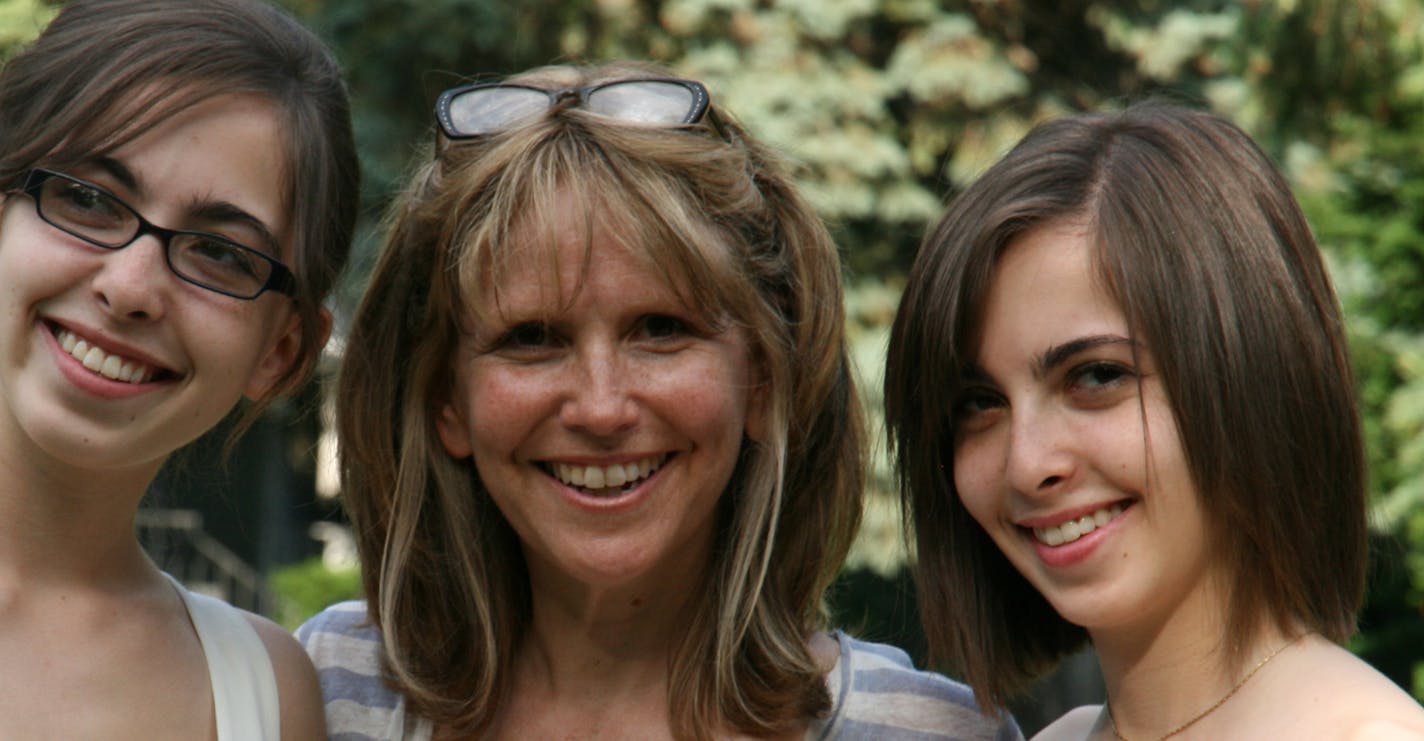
x=179, y=190
x=1124, y=414
x=600, y=443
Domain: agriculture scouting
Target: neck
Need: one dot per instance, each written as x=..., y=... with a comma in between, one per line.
x=606, y=640
x=1178, y=674
x=60, y=523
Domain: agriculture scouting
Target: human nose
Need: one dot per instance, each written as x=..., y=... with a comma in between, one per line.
x=129, y=282
x=598, y=401
x=1040, y=459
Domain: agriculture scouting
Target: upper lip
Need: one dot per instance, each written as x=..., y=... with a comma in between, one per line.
x=1065, y=515
x=112, y=346
x=604, y=461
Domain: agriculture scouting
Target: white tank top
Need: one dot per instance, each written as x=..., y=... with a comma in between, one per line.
x=239, y=669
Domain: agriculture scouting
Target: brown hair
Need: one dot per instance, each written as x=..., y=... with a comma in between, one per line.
x=105, y=71
x=1199, y=240
x=443, y=571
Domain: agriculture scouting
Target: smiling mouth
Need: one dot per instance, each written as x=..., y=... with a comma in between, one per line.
x=109, y=365
x=605, y=480
x=1075, y=529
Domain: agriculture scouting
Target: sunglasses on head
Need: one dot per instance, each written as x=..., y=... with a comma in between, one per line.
x=478, y=110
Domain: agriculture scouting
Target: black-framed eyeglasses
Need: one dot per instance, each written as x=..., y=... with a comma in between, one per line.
x=478, y=110
x=95, y=215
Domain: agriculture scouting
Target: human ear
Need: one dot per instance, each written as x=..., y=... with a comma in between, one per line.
x=282, y=353
x=454, y=432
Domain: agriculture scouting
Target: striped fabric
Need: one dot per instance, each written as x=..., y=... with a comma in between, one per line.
x=877, y=692
x=346, y=649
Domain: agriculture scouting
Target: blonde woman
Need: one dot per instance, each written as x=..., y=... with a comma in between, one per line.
x=601, y=446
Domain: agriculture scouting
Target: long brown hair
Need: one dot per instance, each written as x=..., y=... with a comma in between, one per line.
x=442, y=568
x=1198, y=239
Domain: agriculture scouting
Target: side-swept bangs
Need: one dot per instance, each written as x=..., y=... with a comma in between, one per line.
x=1198, y=239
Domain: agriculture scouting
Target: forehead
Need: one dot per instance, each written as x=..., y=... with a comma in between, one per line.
x=545, y=264
x=223, y=155
x=1045, y=287
x=561, y=235
x=178, y=147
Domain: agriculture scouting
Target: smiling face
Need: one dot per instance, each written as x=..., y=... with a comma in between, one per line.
x=108, y=359
x=1066, y=450
x=604, y=417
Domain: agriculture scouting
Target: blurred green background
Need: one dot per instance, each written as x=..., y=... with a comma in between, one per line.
x=887, y=107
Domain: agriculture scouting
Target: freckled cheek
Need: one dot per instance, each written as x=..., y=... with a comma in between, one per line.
x=502, y=408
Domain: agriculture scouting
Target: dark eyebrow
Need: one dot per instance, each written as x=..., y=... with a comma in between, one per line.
x=221, y=212
x=1059, y=354
x=120, y=172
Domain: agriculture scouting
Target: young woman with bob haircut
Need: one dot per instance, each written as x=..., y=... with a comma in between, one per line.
x=1123, y=413
x=600, y=442
x=179, y=191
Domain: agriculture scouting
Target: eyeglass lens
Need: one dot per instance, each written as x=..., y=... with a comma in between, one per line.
x=102, y=219
x=484, y=110
x=490, y=109
x=646, y=102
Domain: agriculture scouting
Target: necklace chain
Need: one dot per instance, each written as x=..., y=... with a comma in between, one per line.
x=1118, y=734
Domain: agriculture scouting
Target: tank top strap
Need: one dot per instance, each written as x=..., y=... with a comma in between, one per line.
x=245, y=702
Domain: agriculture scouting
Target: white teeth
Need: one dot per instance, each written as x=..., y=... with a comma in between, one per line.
x=94, y=359
x=606, y=477
x=1075, y=529
x=113, y=367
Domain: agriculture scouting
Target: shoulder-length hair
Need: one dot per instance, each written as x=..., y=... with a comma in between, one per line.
x=443, y=570
x=103, y=72
x=1198, y=239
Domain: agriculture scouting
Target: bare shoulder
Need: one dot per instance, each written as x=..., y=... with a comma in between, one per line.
x=297, y=687
x=1386, y=730
x=1337, y=693
x=1074, y=725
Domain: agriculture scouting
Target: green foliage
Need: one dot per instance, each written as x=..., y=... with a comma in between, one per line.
x=885, y=107
x=21, y=21
x=304, y=589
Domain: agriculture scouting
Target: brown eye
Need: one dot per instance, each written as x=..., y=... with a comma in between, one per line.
x=973, y=404
x=527, y=335
x=662, y=327
x=82, y=204
x=1099, y=376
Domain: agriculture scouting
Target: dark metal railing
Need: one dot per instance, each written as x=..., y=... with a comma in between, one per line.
x=176, y=541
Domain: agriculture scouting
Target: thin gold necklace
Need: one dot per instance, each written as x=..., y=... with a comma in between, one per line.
x=1118, y=734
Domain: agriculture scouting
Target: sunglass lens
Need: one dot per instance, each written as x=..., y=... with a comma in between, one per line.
x=646, y=102
x=489, y=109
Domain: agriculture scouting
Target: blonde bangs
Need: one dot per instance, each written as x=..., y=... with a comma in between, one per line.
x=524, y=190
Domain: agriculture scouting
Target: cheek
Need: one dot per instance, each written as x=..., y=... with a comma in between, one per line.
x=976, y=479
x=1168, y=469
x=1138, y=457
x=501, y=408
x=717, y=413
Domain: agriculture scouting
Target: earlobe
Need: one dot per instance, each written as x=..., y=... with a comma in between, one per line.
x=454, y=433
x=281, y=355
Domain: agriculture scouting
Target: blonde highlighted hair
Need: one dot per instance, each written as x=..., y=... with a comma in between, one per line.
x=443, y=570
